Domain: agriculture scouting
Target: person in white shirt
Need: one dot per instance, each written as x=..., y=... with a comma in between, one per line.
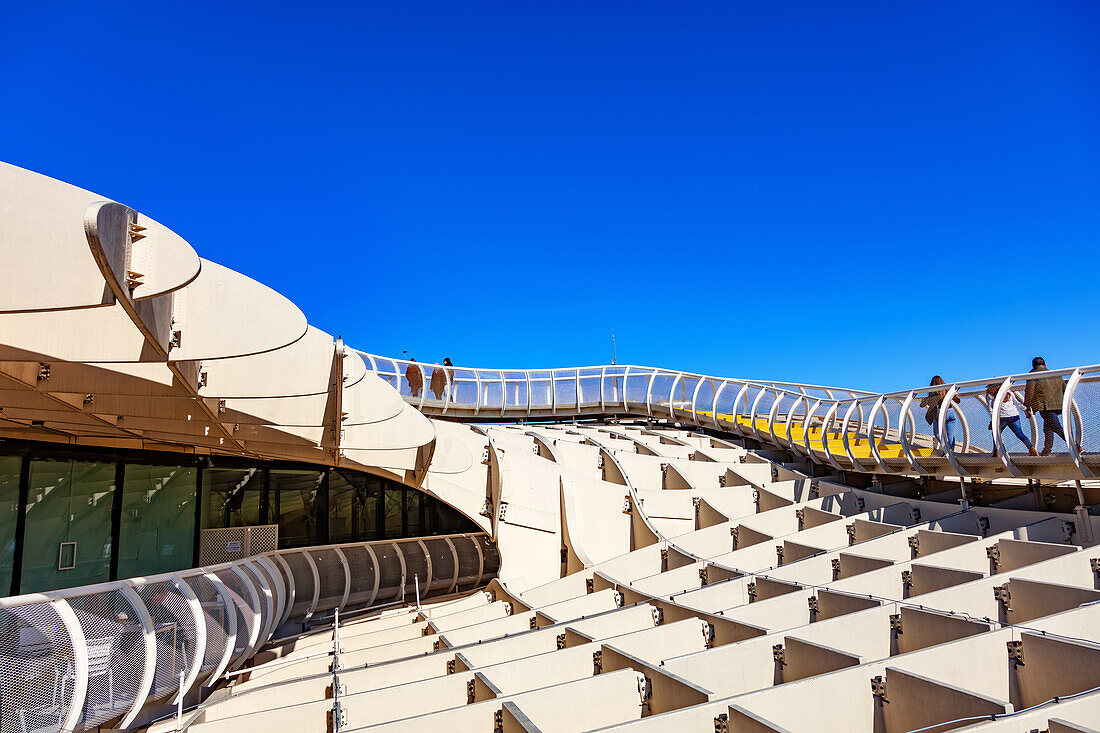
x=1009, y=410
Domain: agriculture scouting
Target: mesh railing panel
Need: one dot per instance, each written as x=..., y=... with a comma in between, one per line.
x=242, y=602
x=215, y=616
x=469, y=563
x=416, y=565
x=174, y=632
x=362, y=574
x=303, y=583
x=443, y=564
x=36, y=656
x=330, y=571
x=37, y=668
x=116, y=654
x=389, y=570
x=492, y=557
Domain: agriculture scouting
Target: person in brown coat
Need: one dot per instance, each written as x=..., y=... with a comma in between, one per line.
x=439, y=381
x=414, y=377
x=1044, y=396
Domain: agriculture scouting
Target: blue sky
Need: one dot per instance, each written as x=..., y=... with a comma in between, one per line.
x=858, y=193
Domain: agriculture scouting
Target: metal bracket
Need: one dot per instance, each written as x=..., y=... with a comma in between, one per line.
x=751, y=588
x=878, y=688
x=1003, y=596
x=1016, y=653
x=895, y=624
x=779, y=655
x=597, y=661
x=836, y=568
x=560, y=641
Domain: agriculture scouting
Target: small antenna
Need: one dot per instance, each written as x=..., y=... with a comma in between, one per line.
x=614, y=354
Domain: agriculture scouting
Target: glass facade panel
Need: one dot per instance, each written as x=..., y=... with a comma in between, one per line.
x=392, y=508
x=296, y=498
x=412, y=513
x=231, y=497
x=71, y=537
x=352, y=506
x=68, y=536
x=9, y=511
x=158, y=520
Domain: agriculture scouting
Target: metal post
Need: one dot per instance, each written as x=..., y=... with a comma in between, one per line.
x=179, y=705
x=337, y=713
x=416, y=581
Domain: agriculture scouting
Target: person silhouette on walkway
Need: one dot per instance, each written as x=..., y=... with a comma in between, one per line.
x=414, y=377
x=1009, y=410
x=1044, y=396
x=439, y=381
x=932, y=403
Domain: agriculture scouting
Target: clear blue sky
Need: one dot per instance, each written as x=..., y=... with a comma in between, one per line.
x=858, y=193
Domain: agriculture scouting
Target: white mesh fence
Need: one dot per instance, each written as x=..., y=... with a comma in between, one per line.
x=94, y=656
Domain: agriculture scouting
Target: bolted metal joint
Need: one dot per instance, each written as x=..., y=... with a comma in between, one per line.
x=560, y=641
x=751, y=588
x=836, y=568
x=471, y=691
x=851, y=529
x=702, y=576
x=1003, y=596
x=722, y=723
x=895, y=624
x=597, y=661
x=878, y=688
x=779, y=655
x=1016, y=653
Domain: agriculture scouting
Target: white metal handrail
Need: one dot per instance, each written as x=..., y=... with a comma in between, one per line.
x=887, y=426
x=197, y=608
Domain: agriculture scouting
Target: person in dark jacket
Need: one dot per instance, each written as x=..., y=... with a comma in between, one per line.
x=1044, y=396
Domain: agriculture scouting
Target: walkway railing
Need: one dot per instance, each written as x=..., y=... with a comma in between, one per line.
x=77, y=658
x=896, y=432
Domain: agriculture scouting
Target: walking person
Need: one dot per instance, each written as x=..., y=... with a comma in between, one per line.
x=414, y=377
x=449, y=373
x=932, y=404
x=439, y=381
x=1009, y=411
x=1044, y=396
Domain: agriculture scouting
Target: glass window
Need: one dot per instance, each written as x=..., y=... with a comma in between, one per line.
x=9, y=510
x=231, y=497
x=295, y=497
x=158, y=520
x=352, y=506
x=68, y=537
x=412, y=513
x=393, y=508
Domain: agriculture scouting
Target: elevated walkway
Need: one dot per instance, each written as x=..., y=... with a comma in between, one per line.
x=844, y=429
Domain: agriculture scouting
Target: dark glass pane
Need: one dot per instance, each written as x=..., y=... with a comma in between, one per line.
x=9, y=510
x=231, y=497
x=158, y=520
x=68, y=517
x=412, y=513
x=353, y=506
x=393, y=512
x=296, y=494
